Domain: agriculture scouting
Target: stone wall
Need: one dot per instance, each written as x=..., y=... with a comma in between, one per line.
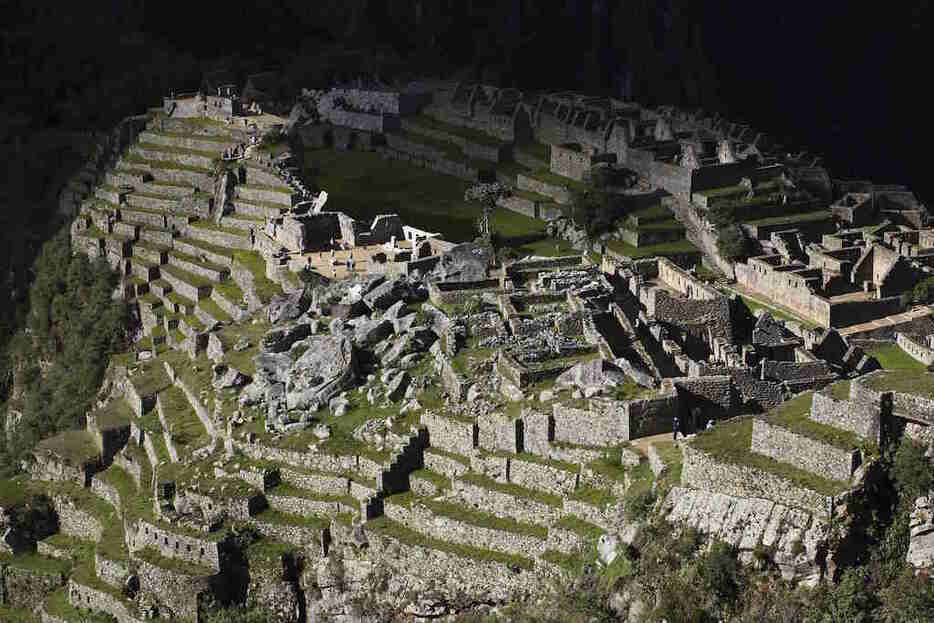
x=448, y=466
x=315, y=540
x=714, y=395
x=173, y=545
x=324, y=484
x=505, y=505
x=809, y=454
x=542, y=477
x=422, y=520
x=560, y=194
x=439, y=165
x=73, y=521
x=26, y=588
x=174, y=591
x=781, y=286
x=497, y=431
x=701, y=471
x=88, y=598
x=449, y=434
x=915, y=348
x=110, y=571
x=106, y=492
x=321, y=462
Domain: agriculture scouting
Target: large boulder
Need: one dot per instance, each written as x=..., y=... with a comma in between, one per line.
x=596, y=373
x=288, y=307
x=385, y=295
x=370, y=332
x=281, y=339
x=324, y=370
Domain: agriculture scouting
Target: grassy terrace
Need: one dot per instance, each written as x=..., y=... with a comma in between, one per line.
x=679, y=247
x=368, y=185
x=201, y=137
x=286, y=490
x=172, y=149
x=580, y=527
x=463, y=460
x=150, y=378
x=198, y=261
x=532, y=458
x=793, y=415
x=58, y=606
x=840, y=390
x=891, y=357
x=165, y=164
x=116, y=414
x=919, y=383
x=657, y=212
x=775, y=312
x=184, y=426
x=74, y=446
x=36, y=563
x=439, y=480
x=285, y=190
x=214, y=310
x=207, y=246
x=511, y=489
x=212, y=226
x=389, y=528
x=474, y=136
x=610, y=465
x=729, y=442
x=265, y=287
x=191, y=278
x=545, y=175
x=667, y=225
x=253, y=333
x=537, y=150
x=804, y=217
x=286, y=519
x=182, y=567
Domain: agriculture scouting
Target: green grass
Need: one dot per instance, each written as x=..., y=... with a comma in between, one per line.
x=786, y=219
x=776, y=313
x=173, y=149
x=474, y=136
x=175, y=565
x=601, y=498
x=916, y=382
x=389, y=528
x=212, y=226
x=729, y=442
x=35, y=563
x=207, y=246
x=9, y=614
x=840, y=390
x=254, y=262
x=610, y=465
x=74, y=446
x=891, y=357
x=242, y=360
x=116, y=414
x=214, y=310
x=438, y=480
x=463, y=460
x=793, y=415
x=57, y=605
x=287, y=519
x=548, y=247
x=368, y=185
x=511, y=489
x=230, y=291
x=485, y=520
x=541, y=151
x=150, y=378
x=580, y=527
x=186, y=429
x=190, y=278
x=198, y=261
x=165, y=164
x=546, y=176
x=665, y=249
x=671, y=455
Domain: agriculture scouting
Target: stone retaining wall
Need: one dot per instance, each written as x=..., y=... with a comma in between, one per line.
x=173, y=545
x=855, y=416
x=324, y=484
x=106, y=492
x=505, y=505
x=314, y=541
x=189, y=291
x=497, y=431
x=196, y=179
x=26, y=588
x=447, y=466
x=449, y=434
x=177, y=591
x=72, y=521
x=283, y=197
x=188, y=160
x=803, y=452
x=559, y=194
x=420, y=519
x=88, y=598
x=547, y=478
x=320, y=462
x=304, y=507
x=219, y=238
x=701, y=471
x=112, y=572
x=440, y=165
x=915, y=349
x=186, y=142
x=198, y=268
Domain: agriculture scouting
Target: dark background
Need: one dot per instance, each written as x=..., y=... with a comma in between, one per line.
x=846, y=80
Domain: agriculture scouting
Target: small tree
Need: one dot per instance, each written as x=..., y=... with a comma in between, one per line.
x=487, y=195
x=732, y=243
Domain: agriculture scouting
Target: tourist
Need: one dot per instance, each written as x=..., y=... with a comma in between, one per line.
x=675, y=424
x=710, y=424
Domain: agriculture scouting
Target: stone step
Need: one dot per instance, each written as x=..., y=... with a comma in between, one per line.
x=243, y=222
x=178, y=304
x=281, y=196
x=288, y=498
x=210, y=313
x=188, y=285
x=259, y=174
x=160, y=288
x=220, y=237
x=221, y=256
x=186, y=140
x=197, y=266
x=127, y=229
x=507, y=500
x=152, y=201
x=165, y=171
x=259, y=209
x=188, y=158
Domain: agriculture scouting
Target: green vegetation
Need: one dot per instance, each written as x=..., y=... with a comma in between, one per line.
x=840, y=390
x=175, y=565
x=469, y=134
x=537, y=150
x=164, y=164
x=775, y=312
x=77, y=447
x=601, y=498
x=387, y=527
x=76, y=326
x=917, y=382
x=254, y=262
x=580, y=527
x=438, y=480
x=369, y=185
x=664, y=249
x=794, y=415
x=891, y=357
x=479, y=518
x=729, y=442
x=786, y=219
x=512, y=489
x=732, y=243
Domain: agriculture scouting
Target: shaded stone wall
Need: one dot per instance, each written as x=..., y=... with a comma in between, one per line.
x=701, y=471
x=712, y=394
x=818, y=458
x=505, y=505
x=172, y=545
x=26, y=588
x=88, y=598
x=449, y=434
x=325, y=484
x=439, y=165
x=917, y=350
x=448, y=466
x=560, y=194
x=175, y=591
x=73, y=521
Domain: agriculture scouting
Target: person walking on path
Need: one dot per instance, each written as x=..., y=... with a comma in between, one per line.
x=675, y=424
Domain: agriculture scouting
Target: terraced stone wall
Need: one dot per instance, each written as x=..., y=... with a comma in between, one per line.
x=25, y=588
x=855, y=415
x=316, y=541
x=914, y=348
x=88, y=598
x=175, y=591
x=542, y=477
x=449, y=434
x=50, y=468
x=702, y=471
x=106, y=492
x=500, y=432
x=110, y=571
x=173, y=545
x=559, y=194
x=439, y=165
x=133, y=468
x=818, y=458
x=422, y=520
x=759, y=394
x=75, y=522
x=505, y=505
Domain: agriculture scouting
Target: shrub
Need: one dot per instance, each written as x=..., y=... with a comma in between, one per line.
x=732, y=243
x=719, y=570
x=639, y=504
x=911, y=470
